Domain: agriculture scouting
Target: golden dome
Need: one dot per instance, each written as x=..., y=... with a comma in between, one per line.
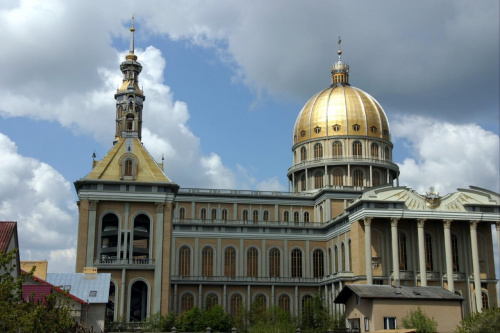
x=341, y=110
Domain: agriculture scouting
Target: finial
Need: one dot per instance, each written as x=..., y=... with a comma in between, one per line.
x=93, y=156
x=132, y=29
x=340, y=47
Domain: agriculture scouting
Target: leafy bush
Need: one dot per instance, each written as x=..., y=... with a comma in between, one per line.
x=487, y=321
x=419, y=320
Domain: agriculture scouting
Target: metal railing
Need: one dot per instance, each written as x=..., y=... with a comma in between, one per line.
x=128, y=261
x=177, y=220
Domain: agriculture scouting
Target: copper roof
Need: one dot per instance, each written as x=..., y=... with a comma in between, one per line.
x=6, y=231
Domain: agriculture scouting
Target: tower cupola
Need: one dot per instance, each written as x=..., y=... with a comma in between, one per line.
x=129, y=97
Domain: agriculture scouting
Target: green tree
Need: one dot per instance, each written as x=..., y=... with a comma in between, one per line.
x=272, y=320
x=416, y=318
x=487, y=321
x=315, y=317
x=53, y=314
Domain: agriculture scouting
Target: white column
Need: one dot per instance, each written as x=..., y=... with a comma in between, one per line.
x=449, y=260
x=395, y=250
x=475, y=265
x=368, y=250
x=498, y=243
x=371, y=176
x=89, y=262
x=421, y=252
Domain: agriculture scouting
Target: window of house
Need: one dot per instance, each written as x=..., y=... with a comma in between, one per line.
x=236, y=305
x=286, y=216
x=296, y=263
x=338, y=177
x=306, y=217
x=303, y=182
x=211, y=301
x=93, y=293
x=230, y=262
x=274, y=262
x=260, y=301
x=318, y=267
x=336, y=127
x=187, y=302
x=356, y=127
x=284, y=303
x=429, y=266
x=357, y=149
x=318, y=179
x=317, y=129
x=386, y=153
x=182, y=213
x=185, y=261
x=403, y=257
x=373, y=129
x=255, y=215
x=376, y=178
x=224, y=214
x=128, y=167
x=203, y=214
x=207, y=261
x=358, y=178
x=390, y=323
x=266, y=215
x=296, y=217
x=214, y=214
x=245, y=215
x=367, y=324
x=303, y=154
x=485, y=300
x=252, y=262
x=374, y=150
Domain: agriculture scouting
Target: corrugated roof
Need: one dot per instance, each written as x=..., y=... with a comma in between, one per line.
x=390, y=292
x=6, y=230
x=81, y=285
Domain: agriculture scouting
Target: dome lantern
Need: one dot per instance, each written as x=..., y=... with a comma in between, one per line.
x=340, y=69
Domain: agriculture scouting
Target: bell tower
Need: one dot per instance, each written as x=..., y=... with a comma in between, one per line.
x=129, y=97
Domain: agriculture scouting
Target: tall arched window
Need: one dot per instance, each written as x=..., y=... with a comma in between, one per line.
x=236, y=305
x=386, y=153
x=357, y=178
x=429, y=265
x=211, y=301
x=296, y=266
x=255, y=215
x=318, y=151
x=349, y=254
x=376, y=178
x=342, y=257
x=187, y=302
x=485, y=300
x=128, y=167
x=230, y=262
x=296, y=217
x=224, y=214
x=207, y=261
x=185, y=261
x=307, y=308
x=336, y=259
x=260, y=301
x=266, y=216
x=338, y=177
x=318, y=179
x=357, y=149
x=454, y=252
x=374, y=150
x=286, y=216
x=284, y=302
x=330, y=270
x=337, y=149
x=245, y=215
x=303, y=154
x=252, y=262
x=403, y=255
x=274, y=262
x=182, y=213
x=303, y=185
x=214, y=214
x=318, y=264
x=306, y=217
x=203, y=214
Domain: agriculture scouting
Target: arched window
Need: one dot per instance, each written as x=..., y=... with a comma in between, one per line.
x=260, y=301
x=203, y=214
x=349, y=254
x=429, y=266
x=318, y=264
x=357, y=149
x=236, y=305
x=182, y=213
x=318, y=151
x=485, y=300
x=318, y=179
x=386, y=153
x=252, y=262
x=376, y=178
x=141, y=239
x=230, y=262
x=185, y=261
x=306, y=217
x=128, y=167
x=266, y=216
x=403, y=256
x=187, y=302
x=337, y=149
x=224, y=214
x=303, y=154
x=336, y=258
x=274, y=262
x=329, y=265
x=255, y=215
x=338, y=177
x=214, y=214
x=342, y=257
x=303, y=185
x=138, y=301
x=207, y=261
x=357, y=178
x=245, y=215
x=211, y=301
x=454, y=252
x=307, y=308
x=296, y=263
x=296, y=217
x=286, y=216
x=374, y=150
x=109, y=238
x=284, y=302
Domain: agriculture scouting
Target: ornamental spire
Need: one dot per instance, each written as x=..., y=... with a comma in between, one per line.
x=339, y=52
x=132, y=29
x=340, y=70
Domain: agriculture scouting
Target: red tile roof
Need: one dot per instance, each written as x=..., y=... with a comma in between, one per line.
x=6, y=232
x=36, y=292
x=45, y=283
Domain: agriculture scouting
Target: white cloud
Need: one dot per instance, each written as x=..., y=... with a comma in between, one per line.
x=41, y=201
x=447, y=156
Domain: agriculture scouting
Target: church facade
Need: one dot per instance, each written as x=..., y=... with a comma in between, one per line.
x=344, y=221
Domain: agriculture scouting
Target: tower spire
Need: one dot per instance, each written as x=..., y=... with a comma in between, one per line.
x=132, y=29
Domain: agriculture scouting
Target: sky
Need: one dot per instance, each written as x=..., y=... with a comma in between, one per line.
x=224, y=82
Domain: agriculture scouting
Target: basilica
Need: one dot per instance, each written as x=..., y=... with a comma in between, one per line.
x=344, y=221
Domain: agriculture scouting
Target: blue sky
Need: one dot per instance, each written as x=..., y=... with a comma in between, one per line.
x=224, y=82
